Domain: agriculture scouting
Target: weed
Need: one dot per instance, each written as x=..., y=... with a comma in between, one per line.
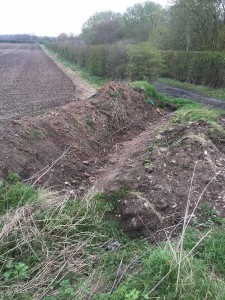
x=36, y=133
x=185, y=165
x=90, y=122
x=109, y=202
x=211, y=250
x=207, y=216
x=148, y=90
x=66, y=291
x=147, y=161
x=150, y=149
x=14, y=271
x=13, y=177
x=189, y=115
x=14, y=193
x=159, y=266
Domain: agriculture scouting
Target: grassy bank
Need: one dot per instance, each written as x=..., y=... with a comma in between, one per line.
x=186, y=109
x=59, y=248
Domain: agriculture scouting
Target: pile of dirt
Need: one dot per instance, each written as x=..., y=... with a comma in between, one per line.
x=125, y=110
x=64, y=147
x=115, y=140
x=164, y=167
x=124, y=107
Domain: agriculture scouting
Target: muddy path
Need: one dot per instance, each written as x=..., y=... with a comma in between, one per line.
x=180, y=93
x=30, y=82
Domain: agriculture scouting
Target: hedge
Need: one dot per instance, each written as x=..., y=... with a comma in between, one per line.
x=141, y=62
x=114, y=61
x=206, y=68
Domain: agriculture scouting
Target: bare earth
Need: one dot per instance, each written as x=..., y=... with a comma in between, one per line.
x=113, y=140
x=83, y=89
x=30, y=82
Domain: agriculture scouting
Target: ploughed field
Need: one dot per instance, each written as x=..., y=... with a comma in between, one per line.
x=30, y=82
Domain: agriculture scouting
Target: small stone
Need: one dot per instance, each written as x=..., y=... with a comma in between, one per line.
x=91, y=179
x=149, y=168
x=110, y=246
x=72, y=194
x=162, y=204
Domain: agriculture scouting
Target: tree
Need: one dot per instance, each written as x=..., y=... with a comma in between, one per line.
x=62, y=37
x=142, y=19
x=196, y=24
x=102, y=28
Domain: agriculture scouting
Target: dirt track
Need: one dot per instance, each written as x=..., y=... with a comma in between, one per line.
x=180, y=93
x=30, y=82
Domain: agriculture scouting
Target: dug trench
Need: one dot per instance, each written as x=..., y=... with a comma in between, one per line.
x=116, y=141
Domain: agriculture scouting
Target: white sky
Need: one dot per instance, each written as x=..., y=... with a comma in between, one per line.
x=51, y=17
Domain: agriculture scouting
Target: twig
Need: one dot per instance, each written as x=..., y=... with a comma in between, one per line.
x=50, y=167
x=123, y=128
x=130, y=266
x=181, y=244
x=117, y=274
x=54, y=279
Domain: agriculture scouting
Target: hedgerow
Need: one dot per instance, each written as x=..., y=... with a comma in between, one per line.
x=141, y=61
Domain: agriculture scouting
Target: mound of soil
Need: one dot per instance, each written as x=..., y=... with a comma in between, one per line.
x=115, y=140
x=164, y=167
x=64, y=147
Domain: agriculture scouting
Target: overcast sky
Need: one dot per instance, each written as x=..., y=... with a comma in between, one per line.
x=51, y=17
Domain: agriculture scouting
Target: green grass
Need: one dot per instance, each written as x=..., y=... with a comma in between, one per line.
x=14, y=193
x=96, y=81
x=187, y=109
x=57, y=251
x=218, y=93
x=74, y=232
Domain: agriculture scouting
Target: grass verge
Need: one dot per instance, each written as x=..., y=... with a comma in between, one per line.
x=186, y=109
x=61, y=248
x=218, y=93
x=96, y=81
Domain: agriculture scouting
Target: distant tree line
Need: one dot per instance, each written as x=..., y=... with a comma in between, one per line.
x=197, y=25
x=185, y=41
x=24, y=38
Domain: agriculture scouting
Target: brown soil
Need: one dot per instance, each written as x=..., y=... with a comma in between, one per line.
x=114, y=140
x=83, y=89
x=158, y=166
x=30, y=82
x=82, y=132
